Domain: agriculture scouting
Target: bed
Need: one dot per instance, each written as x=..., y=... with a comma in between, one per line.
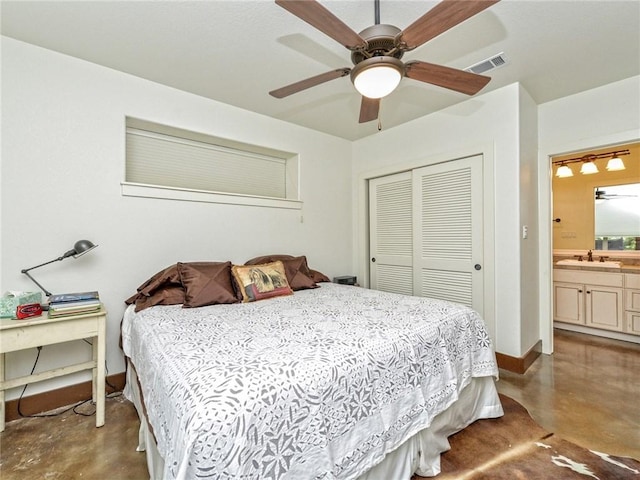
x=325, y=381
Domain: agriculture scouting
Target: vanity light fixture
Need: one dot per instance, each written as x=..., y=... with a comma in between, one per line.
x=615, y=163
x=588, y=163
x=588, y=168
x=564, y=171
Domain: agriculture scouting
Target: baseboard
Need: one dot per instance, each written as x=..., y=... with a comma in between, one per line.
x=519, y=364
x=52, y=399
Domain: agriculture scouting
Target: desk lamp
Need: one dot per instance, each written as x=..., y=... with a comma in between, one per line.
x=80, y=248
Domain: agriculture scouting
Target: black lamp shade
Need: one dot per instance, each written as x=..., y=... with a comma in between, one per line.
x=82, y=246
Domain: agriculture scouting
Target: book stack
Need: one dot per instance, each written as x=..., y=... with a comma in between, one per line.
x=65, y=304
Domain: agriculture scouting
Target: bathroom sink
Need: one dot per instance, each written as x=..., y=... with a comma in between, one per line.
x=584, y=263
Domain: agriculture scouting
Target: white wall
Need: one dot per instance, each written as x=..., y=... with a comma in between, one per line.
x=63, y=139
x=528, y=138
x=600, y=117
x=487, y=124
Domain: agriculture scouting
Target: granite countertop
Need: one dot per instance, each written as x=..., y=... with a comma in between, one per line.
x=623, y=269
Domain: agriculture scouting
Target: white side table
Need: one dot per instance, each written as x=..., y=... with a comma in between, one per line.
x=39, y=331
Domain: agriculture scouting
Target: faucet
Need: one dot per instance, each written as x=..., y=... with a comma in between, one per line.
x=589, y=256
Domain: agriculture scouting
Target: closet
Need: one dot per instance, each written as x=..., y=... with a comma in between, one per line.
x=426, y=232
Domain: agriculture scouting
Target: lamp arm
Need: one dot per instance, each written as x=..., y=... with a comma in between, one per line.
x=26, y=272
x=59, y=259
x=46, y=292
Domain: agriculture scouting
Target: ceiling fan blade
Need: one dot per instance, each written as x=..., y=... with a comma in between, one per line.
x=309, y=82
x=319, y=17
x=451, y=78
x=369, y=109
x=439, y=19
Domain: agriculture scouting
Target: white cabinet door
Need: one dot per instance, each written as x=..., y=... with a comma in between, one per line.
x=391, y=233
x=448, y=243
x=568, y=303
x=604, y=307
x=633, y=322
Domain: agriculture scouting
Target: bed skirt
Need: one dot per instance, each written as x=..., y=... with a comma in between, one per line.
x=420, y=454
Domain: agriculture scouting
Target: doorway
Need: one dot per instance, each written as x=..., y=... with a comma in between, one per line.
x=548, y=222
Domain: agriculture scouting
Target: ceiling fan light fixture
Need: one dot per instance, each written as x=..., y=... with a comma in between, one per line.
x=615, y=163
x=377, y=77
x=588, y=168
x=564, y=171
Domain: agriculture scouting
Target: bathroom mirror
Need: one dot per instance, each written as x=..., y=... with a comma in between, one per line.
x=617, y=217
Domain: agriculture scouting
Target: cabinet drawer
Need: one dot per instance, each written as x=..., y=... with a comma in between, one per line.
x=632, y=280
x=592, y=278
x=632, y=300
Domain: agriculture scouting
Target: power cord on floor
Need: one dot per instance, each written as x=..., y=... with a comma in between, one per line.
x=74, y=407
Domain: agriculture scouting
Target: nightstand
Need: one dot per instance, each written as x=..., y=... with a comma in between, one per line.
x=39, y=331
x=346, y=280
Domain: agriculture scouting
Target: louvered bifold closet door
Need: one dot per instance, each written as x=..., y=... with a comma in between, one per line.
x=448, y=231
x=391, y=233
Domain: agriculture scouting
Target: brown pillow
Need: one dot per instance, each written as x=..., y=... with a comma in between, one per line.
x=317, y=276
x=163, y=288
x=169, y=277
x=258, y=282
x=206, y=283
x=164, y=296
x=298, y=274
x=267, y=259
x=296, y=269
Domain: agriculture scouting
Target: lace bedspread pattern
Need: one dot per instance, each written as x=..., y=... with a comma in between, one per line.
x=316, y=385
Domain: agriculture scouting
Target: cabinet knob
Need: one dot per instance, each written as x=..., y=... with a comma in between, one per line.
x=373, y=259
x=579, y=291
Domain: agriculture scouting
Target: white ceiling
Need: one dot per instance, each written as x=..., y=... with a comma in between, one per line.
x=237, y=51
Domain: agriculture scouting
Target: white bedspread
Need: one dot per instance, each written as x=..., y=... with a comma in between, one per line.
x=317, y=385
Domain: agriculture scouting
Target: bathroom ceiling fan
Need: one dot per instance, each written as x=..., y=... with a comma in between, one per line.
x=603, y=195
x=377, y=50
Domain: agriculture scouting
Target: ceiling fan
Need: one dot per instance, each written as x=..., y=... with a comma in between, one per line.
x=603, y=195
x=376, y=51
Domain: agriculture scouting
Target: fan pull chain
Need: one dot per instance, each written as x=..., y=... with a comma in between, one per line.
x=379, y=125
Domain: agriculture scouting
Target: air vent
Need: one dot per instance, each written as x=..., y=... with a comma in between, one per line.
x=488, y=64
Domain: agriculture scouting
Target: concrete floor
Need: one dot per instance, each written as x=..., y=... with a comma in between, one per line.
x=587, y=392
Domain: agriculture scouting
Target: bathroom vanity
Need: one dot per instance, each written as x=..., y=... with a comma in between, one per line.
x=591, y=297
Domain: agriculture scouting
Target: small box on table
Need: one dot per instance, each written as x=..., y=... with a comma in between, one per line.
x=10, y=301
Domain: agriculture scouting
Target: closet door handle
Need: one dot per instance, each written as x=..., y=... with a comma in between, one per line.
x=477, y=266
x=373, y=259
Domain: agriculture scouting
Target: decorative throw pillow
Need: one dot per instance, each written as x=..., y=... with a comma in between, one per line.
x=258, y=282
x=206, y=283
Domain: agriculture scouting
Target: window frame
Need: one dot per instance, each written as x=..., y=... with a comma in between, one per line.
x=168, y=192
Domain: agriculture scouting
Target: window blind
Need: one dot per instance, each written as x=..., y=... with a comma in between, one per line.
x=169, y=161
